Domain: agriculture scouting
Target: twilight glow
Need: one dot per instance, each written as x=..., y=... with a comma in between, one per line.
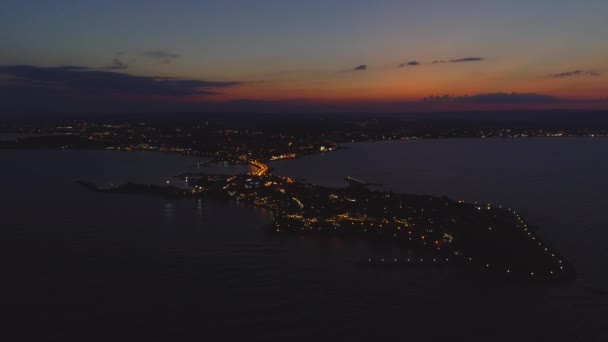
x=317, y=55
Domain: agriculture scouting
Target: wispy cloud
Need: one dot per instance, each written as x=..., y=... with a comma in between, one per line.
x=410, y=63
x=459, y=60
x=165, y=56
x=116, y=64
x=467, y=59
x=361, y=67
x=574, y=73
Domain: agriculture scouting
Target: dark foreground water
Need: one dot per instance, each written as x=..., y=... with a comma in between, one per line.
x=92, y=267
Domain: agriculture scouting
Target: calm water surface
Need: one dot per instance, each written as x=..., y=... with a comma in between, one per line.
x=96, y=267
x=14, y=136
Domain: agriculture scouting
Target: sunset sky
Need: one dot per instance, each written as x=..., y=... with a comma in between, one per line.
x=318, y=55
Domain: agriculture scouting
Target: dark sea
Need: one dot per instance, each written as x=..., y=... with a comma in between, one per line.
x=82, y=266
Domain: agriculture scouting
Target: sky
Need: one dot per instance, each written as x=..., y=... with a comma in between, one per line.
x=330, y=55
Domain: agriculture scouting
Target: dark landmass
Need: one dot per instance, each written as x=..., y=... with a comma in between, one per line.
x=441, y=232
x=55, y=142
x=238, y=137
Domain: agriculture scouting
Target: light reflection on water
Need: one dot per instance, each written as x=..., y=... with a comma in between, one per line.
x=169, y=211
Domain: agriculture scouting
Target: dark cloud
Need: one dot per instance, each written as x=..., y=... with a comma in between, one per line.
x=361, y=67
x=575, y=73
x=163, y=55
x=459, y=60
x=467, y=59
x=116, y=64
x=411, y=63
x=498, y=98
x=511, y=98
x=83, y=80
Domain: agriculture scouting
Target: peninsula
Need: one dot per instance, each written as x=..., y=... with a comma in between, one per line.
x=440, y=231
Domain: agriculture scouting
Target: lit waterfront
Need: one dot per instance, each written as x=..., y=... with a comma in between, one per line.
x=495, y=239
